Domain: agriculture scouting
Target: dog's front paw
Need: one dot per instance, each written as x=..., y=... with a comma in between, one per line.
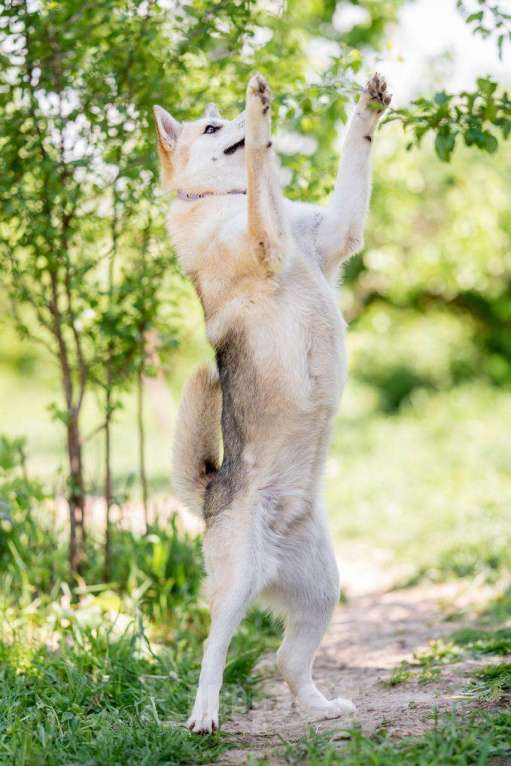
x=202, y=723
x=377, y=97
x=259, y=89
x=258, y=112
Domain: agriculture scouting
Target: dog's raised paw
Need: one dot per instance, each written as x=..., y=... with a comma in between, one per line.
x=259, y=88
x=377, y=91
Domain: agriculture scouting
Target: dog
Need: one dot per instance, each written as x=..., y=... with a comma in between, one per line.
x=252, y=430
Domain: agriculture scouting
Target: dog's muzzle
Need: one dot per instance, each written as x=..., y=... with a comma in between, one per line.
x=238, y=145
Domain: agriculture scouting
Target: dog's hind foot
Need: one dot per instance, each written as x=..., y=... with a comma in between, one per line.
x=336, y=708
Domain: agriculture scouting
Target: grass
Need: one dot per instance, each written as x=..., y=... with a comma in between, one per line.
x=492, y=683
x=399, y=675
x=85, y=684
x=484, y=739
x=95, y=699
x=483, y=641
x=488, y=684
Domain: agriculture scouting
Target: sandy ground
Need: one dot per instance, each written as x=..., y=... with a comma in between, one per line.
x=368, y=638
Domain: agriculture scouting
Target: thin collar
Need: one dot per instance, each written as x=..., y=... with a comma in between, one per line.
x=191, y=196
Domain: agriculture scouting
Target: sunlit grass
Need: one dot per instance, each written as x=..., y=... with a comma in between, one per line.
x=431, y=483
x=484, y=739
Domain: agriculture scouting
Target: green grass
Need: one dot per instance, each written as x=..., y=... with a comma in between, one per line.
x=94, y=699
x=467, y=640
x=492, y=683
x=91, y=671
x=87, y=685
x=483, y=641
x=481, y=740
x=399, y=675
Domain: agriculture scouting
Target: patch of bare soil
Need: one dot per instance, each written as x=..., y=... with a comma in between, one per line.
x=368, y=639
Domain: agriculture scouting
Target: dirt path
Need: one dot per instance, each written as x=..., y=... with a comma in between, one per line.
x=368, y=638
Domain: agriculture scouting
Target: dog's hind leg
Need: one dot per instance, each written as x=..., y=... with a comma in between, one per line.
x=308, y=595
x=230, y=589
x=305, y=628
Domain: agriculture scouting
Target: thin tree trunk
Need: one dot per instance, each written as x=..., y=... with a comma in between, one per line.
x=108, y=481
x=141, y=445
x=76, y=499
x=108, y=399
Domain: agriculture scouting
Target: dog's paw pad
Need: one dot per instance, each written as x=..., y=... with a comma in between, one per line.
x=377, y=91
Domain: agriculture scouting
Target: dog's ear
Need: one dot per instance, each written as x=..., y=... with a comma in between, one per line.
x=211, y=112
x=168, y=130
x=167, y=127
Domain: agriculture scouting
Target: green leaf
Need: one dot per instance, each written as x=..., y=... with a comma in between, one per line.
x=486, y=85
x=444, y=144
x=490, y=143
x=441, y=98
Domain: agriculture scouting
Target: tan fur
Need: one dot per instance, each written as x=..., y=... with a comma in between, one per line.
x=197, y=437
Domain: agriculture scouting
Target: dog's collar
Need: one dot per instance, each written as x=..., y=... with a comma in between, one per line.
x=191, y=196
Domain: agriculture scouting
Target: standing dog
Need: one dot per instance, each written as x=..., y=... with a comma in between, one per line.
x=265, y=271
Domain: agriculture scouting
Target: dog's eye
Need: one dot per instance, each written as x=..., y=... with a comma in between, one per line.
x=212, y=128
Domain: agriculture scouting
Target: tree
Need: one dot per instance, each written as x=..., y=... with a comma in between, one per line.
x=75, y=165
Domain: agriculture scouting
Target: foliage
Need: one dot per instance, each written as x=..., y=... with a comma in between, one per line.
x=91, y=669
x=162, y=567
x=474, y=116
x=29, y=561
x=488, y=19
x=435, y=276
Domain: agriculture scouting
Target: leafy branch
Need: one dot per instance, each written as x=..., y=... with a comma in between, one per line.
x=478, y=117
x=487, y=20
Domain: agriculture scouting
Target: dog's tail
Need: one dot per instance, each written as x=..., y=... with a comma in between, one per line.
x=197, y=439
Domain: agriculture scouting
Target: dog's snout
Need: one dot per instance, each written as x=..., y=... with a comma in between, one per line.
x=234, y=147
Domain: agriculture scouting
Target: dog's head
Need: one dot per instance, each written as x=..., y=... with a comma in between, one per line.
x=204, y=155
